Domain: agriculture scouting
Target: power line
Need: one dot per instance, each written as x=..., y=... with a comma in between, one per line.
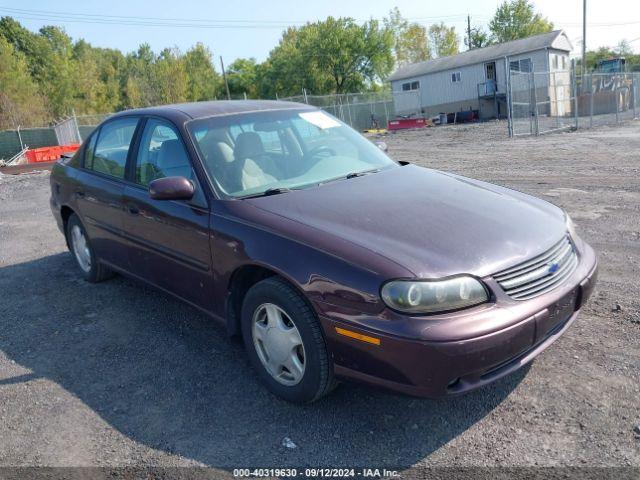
x=64, y=17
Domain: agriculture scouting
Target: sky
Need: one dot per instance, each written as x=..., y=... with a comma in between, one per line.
x=251, y=28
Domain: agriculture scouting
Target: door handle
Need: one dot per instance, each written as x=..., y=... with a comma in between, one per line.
x=133, y=209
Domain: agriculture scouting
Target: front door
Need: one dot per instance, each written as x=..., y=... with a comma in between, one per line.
x=170, y=239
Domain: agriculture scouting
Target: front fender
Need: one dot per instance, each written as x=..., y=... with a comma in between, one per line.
x=326, y=269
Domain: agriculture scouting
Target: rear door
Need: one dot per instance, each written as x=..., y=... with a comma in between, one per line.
x=169, y=239
x=100, y=186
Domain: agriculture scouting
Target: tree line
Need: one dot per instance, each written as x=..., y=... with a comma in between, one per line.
x=47, y=75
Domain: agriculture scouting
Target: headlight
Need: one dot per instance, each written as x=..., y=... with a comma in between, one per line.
x=571, y=228
x=429, y=296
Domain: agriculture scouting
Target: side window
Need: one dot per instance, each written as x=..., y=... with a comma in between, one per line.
x=107, y=153
x=162, y=154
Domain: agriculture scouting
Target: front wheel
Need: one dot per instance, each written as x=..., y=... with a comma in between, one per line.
x=85, y=258
x=284, y=341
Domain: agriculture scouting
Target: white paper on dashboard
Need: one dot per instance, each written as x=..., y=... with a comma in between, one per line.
x=319, y=119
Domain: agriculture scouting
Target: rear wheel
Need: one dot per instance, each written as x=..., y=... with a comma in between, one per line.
x=284, y=341
x=80, y=246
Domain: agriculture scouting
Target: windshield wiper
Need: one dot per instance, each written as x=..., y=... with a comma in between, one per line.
x=350, y=175
x=271, y=191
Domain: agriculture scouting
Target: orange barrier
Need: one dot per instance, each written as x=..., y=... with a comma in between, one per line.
x=48, y=154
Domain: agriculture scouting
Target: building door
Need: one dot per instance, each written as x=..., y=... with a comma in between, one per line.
x=490, y=71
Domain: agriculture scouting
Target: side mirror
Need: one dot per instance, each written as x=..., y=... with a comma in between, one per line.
x=171, y=188
x=382, y=146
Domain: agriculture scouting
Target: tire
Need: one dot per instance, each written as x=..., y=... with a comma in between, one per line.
x=92, y=270
x=317, y=379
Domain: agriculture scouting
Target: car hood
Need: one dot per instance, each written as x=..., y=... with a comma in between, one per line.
x=432, y=223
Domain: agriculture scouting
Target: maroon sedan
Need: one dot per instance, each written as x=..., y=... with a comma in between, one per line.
x=331, y=260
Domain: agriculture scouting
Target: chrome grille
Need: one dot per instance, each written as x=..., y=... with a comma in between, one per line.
x=540, y=274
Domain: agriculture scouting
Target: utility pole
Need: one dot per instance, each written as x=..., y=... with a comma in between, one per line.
x=469, y=31
x=224, y=76
x=584, y=37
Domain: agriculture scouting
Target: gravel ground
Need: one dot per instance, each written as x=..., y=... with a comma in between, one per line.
x=120, y=375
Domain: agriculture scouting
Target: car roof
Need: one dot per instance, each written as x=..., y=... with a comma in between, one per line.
x=195, y=110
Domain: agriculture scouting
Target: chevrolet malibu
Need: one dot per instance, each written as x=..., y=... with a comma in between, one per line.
x=331, y=260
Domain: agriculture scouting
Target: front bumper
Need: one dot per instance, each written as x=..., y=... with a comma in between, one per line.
x=504, y=337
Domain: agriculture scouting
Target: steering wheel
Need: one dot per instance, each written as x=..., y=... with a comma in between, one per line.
x=320, y=149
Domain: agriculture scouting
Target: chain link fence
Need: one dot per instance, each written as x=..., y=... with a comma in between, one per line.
x=365, y=111
x=71, y=130
x=544, y=102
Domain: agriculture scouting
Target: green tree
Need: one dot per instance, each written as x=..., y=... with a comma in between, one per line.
x=286, y=71
x=623, y=48
x=171, y=79
x=410, y=40
x=20, y=102
x=57, y=78
x=350, y=54
x=242, y=77
x=479, y=38
x=444, y=40
x=204, y=81
x=516, y=19
x=330, y=56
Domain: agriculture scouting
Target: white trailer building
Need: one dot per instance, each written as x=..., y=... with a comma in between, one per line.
x=477, y=79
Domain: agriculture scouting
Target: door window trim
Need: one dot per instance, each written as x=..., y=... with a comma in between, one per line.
x=130, y=169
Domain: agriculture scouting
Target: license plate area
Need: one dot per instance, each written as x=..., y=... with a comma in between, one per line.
x=556, y=313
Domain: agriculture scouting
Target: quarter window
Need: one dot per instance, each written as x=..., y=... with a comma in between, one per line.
x=109, y=156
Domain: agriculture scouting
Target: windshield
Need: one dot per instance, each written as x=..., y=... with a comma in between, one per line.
x=253, y=153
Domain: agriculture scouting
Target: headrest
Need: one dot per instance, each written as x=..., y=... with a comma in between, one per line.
x=171, y=154
x=248, y=145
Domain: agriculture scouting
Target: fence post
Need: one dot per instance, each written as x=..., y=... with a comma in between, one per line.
x=616, y=96
x=535, y=104
x=531, y=107
x=386, y=111
x=590, y=100
x=75, y=124
x=575, y=91
x=509, y=99
x=634, y=92
x=20, y=137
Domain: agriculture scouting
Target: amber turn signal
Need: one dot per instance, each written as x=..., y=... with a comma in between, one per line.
x=358, y=336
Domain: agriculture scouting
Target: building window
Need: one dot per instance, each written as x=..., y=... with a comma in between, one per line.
x=410, y=86
x=455, y=77
x=523, y=65
x=564, y=62
x=555, y=62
